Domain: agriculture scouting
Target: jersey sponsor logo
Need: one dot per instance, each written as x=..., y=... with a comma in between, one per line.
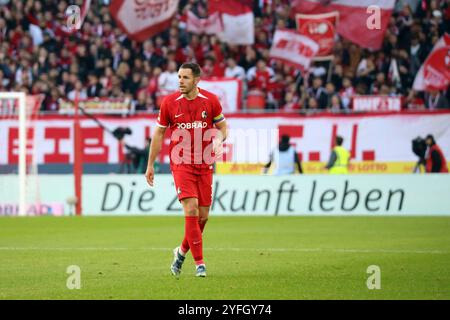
x=193, y=125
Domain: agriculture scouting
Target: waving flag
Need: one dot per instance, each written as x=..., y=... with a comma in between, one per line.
x=433, y=74
x=293, y=49
x=353, y=18
x=210, y=25
x=143, y=19
x=321, y=28
x=238, y=20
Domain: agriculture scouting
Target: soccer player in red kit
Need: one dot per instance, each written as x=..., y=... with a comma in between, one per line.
x=198, y=129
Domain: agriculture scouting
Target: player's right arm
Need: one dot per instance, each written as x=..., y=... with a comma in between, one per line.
x=155, y=148
x=162, y=123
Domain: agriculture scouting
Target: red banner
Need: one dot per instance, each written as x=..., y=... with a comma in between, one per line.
x=293, y=49
x=363, y=22
x=419, y=82
x=321, y=28
x=141, y=19
x=437, y=69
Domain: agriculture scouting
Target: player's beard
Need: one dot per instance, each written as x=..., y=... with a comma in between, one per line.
x=187, y=89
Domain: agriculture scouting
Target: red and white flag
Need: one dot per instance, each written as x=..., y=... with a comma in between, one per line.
x=293, y=49
x=437, y=69
x=356, y=18
x=237, y=19
x=432, y=74
x=321, y=28
x=143, y=19
x=210, y=25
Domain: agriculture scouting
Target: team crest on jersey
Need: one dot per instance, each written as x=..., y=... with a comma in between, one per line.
x=204, y=114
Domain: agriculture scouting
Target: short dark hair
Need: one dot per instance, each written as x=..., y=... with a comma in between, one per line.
x=195, y=68
x=285, y=139
x=339, y=140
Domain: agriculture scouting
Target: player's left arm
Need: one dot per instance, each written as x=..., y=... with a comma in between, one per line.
x=223, y=131
x=220, y=137
x=220, y=123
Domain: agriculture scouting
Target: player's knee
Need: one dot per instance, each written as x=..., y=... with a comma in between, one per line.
x=202, y=220
x=191, y=210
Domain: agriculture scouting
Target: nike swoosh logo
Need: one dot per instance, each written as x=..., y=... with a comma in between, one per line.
x=178, y=115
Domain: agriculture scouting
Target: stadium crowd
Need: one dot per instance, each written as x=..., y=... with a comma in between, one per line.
x=39, y=55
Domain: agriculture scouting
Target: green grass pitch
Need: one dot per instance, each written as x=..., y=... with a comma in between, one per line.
x=246, y=257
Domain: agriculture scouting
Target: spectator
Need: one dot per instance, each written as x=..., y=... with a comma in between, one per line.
x=317, y=91
x=234, y=71
x=312, y=104
x=330, y=91
x=258, y=77
x=168, y=80
x=436, y=100
x=94, y=86
x=376, y=85
x=290, y=102
x=347, y=92
x=335, y=103
x=82, y=94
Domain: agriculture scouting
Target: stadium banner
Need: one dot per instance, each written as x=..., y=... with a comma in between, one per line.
x=315, y=195
x=228, y=90
x=377, y=103
x=141, y=20
x=321, y=28
x=37, y=209
x=312, y=167
x=378, y=137
x=363, y=22
x=97, y=106
x=293, y=49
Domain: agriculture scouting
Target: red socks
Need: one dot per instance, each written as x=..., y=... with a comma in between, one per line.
x=185, y=244
x=193, y=235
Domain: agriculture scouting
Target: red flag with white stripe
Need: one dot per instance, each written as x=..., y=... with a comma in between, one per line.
x=237, y=19
x=431, y=79
x=293, y=49
x=363, y=22
x=437, y=69
x=143, y=19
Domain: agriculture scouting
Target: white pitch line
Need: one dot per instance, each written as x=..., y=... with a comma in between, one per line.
x=334, y=250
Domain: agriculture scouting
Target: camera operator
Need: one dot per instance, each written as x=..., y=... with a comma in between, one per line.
x=435, y=160
x=139, y=157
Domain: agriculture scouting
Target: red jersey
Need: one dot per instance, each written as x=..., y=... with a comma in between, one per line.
x=192, y=129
